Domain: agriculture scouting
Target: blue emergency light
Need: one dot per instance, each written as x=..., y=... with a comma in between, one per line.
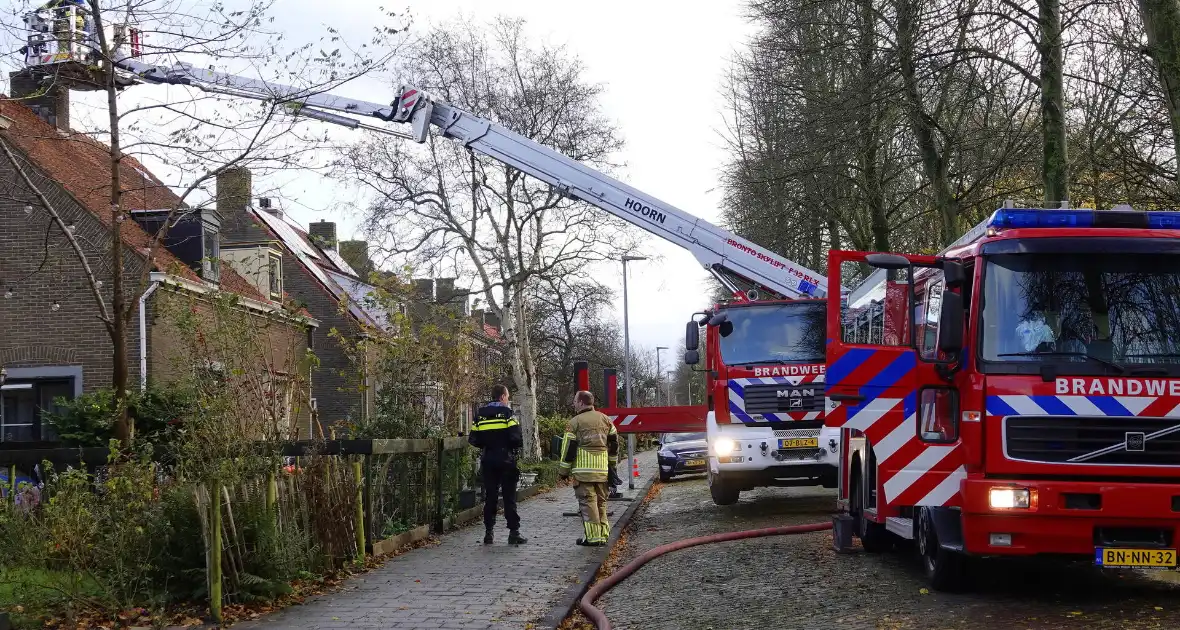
x=1024, y=218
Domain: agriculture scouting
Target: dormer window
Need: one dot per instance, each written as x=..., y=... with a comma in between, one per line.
x=275, y=273
x=192, y=236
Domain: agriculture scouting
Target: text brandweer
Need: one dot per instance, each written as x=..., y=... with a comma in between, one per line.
x=1118, y=387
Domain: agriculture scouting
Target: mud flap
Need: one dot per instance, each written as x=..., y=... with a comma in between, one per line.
x=948, y=525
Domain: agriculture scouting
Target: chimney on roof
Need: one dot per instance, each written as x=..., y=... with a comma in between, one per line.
x=356, y=254
x=51, y=102
x=234, y=191
x=323, y=233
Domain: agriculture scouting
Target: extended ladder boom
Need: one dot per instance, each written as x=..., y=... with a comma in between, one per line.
x=730, y=258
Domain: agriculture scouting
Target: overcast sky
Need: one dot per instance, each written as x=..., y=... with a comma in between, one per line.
x=662, y=65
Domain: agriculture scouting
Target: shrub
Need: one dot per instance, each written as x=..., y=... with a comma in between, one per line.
x=89, y=420
x=548, y=427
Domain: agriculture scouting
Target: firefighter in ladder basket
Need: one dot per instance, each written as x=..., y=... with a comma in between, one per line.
x=588, y=448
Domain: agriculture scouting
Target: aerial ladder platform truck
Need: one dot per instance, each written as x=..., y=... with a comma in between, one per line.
x=1017, y=394
x=764, y=351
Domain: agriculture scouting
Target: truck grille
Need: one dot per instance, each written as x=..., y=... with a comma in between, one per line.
x=800, y=398
x=1093, y=440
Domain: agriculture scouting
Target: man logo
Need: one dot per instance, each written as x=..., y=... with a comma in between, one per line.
x=796, y=403
x=1135, y=442
x=795, y=393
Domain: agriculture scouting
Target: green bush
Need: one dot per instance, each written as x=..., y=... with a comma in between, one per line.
x=89, y=420
x=548, y=427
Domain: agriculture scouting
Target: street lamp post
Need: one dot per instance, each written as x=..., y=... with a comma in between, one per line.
x=660, y=376
x=627, y=370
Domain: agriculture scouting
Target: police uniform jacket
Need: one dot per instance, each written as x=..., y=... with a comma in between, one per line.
x=497, y=433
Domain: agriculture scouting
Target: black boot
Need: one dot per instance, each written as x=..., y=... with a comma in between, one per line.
x=488, y=538
x=514, y=538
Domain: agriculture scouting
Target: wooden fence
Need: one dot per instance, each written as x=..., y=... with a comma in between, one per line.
x=369, y=497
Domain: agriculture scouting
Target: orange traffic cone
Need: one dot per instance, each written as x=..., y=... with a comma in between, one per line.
x=635, y=468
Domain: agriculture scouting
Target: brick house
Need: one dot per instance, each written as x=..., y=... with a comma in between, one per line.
x=312, y=268
x=52, y=343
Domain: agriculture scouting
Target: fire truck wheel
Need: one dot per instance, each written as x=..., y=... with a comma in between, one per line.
x=723, y=493
x=873, y=536
x=945, y=570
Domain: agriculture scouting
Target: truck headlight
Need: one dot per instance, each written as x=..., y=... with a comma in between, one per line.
x=724, y=446
x=1008, y=498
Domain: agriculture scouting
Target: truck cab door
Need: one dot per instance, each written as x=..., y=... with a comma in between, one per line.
x=895, y=405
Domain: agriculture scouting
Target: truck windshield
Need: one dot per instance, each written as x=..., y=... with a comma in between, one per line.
x=774, y=333
x=1106, y=311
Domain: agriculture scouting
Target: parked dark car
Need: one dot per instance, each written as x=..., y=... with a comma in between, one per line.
x=682, y=454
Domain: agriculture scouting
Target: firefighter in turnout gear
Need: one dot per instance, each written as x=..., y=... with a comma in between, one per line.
x=588, y=449
x=498, y=436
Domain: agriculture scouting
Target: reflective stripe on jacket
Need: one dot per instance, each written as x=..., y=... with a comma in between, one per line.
x=589, y=432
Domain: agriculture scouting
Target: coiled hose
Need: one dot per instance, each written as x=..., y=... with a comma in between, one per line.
x=599, y=589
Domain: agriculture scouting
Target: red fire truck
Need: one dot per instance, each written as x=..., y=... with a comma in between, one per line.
x=1017, y=394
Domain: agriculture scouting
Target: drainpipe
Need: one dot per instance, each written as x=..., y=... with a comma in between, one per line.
x=143, y=348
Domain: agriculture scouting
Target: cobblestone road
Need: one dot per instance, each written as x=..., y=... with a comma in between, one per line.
x=461, y=583
x=798, y=582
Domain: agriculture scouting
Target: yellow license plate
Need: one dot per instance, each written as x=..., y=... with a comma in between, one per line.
x=688, y=463
x=799, y=443
x=1135, y=558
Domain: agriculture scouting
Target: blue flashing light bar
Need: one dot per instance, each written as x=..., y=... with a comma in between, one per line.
x=1024, y=218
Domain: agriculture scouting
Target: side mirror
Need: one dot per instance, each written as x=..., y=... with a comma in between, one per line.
x=887, y=261
x=953, y=273
x=692, y=357
x=950, y=323
x=718, y=319
x=692, y=335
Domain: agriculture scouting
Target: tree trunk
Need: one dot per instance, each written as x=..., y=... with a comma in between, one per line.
x=933, y=163
x=524, y=372
x=124, y=429
x=1056, y=166
x=869, y=127
x=1161, y=21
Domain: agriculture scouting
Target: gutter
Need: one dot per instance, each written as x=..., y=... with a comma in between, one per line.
x=143, y=349
x=250, y=303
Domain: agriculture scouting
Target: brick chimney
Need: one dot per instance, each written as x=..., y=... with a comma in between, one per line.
x=49, y=101
x=356, y=254
x=323, y=233
x=235, y=189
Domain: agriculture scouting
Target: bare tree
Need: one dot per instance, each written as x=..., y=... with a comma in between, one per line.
x=192, y=137
x=444, y=208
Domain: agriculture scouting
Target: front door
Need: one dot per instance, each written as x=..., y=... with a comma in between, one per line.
x=890, y=400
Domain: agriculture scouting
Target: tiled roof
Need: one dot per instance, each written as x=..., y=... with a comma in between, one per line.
x=336, y=279
x=82, y=166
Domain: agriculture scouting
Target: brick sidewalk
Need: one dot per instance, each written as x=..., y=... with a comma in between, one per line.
x=460, y=583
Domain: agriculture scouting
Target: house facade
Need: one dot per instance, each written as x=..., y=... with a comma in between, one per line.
x=53, y=342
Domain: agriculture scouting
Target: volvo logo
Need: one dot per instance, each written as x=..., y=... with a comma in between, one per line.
x=1135, y=441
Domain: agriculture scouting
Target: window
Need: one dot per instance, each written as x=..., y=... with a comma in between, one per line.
x=25, y=403
x=927, y=319
x=275, y=274
x=211, y=263
x=939, y=408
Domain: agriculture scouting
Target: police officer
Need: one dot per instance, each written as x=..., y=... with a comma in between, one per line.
x=497, y=434
x=588, y=447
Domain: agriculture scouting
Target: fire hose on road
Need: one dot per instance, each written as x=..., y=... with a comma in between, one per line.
x=599, y=589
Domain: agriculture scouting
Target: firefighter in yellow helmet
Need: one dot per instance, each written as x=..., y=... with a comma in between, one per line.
x=588, y=448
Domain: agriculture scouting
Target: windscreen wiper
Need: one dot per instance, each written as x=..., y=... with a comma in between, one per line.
x=1084, y=355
